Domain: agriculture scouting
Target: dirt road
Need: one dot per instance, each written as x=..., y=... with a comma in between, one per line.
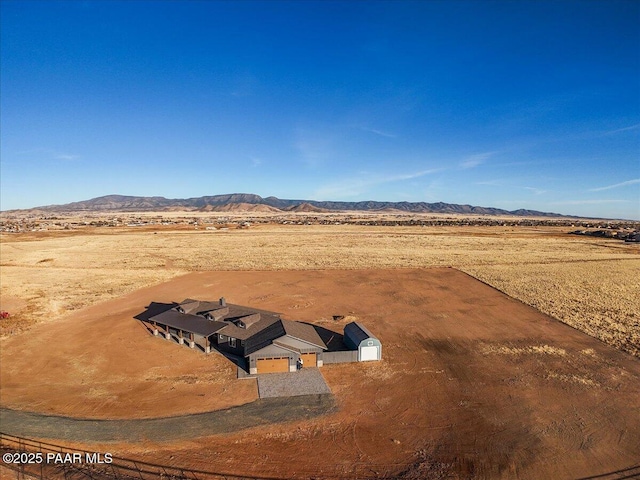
x=260, y=412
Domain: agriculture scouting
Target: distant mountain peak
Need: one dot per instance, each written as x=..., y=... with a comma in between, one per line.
x=250, y=201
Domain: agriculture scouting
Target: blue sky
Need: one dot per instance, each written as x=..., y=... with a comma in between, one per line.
x=508, y=104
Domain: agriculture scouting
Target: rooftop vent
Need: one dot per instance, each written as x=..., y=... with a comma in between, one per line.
x=223, y=302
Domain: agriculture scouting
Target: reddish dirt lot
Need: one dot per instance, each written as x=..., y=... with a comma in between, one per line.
x=473, y=384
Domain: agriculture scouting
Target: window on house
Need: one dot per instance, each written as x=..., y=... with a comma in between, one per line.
x=232, y=342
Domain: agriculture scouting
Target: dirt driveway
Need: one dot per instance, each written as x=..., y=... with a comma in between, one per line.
x=260, y=412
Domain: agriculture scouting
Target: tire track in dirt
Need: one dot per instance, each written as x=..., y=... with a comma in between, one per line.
x=261, y=412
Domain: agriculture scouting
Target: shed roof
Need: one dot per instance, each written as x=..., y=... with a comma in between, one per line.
x=357, y=332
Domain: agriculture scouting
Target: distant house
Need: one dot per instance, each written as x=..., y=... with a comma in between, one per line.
x=267, y=342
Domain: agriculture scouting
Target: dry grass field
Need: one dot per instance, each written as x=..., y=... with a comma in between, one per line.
x=591, y=284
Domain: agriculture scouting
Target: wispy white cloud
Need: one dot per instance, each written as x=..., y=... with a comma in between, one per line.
x=475, y=160
x=506, y=183
x=378, y=132
x=617, y=185
x=513, y=164
x=48, y=152
x=624, y=129
x=492, y=183
x=65, y=156
x=356, y=186
x=255, y=161
x=536, y=191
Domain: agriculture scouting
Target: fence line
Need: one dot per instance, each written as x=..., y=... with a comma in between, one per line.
x=114, y=467
x=122, y=468
x=346, y=356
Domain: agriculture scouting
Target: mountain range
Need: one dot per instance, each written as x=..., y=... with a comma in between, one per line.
x=252, y=202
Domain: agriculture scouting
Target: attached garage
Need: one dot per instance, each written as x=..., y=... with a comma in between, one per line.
x=309, y=359
x=357, y=337
x=272, y=365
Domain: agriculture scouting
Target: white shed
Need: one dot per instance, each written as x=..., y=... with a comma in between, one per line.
x=358, y=337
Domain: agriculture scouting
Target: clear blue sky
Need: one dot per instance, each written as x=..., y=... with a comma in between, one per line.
x=508, y=104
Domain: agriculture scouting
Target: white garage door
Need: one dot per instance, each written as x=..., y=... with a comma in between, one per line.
x=368, y=353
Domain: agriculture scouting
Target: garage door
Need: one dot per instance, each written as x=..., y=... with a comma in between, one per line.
x=368, y=353
x=309, y=359
x=272, y=365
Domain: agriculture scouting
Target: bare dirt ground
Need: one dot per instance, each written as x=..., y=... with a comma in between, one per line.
x=473, y=384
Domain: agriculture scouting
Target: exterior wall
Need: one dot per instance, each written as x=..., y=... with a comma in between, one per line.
x=370, y=342
x=225, y=345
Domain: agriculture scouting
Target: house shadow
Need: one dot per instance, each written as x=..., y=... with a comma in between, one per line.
x=333, y=340
x=153, y=309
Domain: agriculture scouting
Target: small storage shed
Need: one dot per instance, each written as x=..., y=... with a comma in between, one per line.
x=357, y=337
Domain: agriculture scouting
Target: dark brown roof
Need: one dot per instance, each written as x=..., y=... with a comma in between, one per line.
x=232, y=330
x=190, y=305
x=264, y=337
x=304, y=332
x=261, y=327
x=254, y=319
x=188, y=322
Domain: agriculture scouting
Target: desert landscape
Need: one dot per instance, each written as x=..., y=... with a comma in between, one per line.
x=67, y=263
x=509, y=350
x=280, y=240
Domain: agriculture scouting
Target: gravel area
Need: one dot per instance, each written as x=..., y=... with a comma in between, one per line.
x=229, y=420
x=308, y=381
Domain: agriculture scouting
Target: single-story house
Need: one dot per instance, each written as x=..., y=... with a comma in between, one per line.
x=267, y=342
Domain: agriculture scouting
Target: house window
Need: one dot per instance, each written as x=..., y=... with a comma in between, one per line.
x=221, y=337
x=232, y=342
